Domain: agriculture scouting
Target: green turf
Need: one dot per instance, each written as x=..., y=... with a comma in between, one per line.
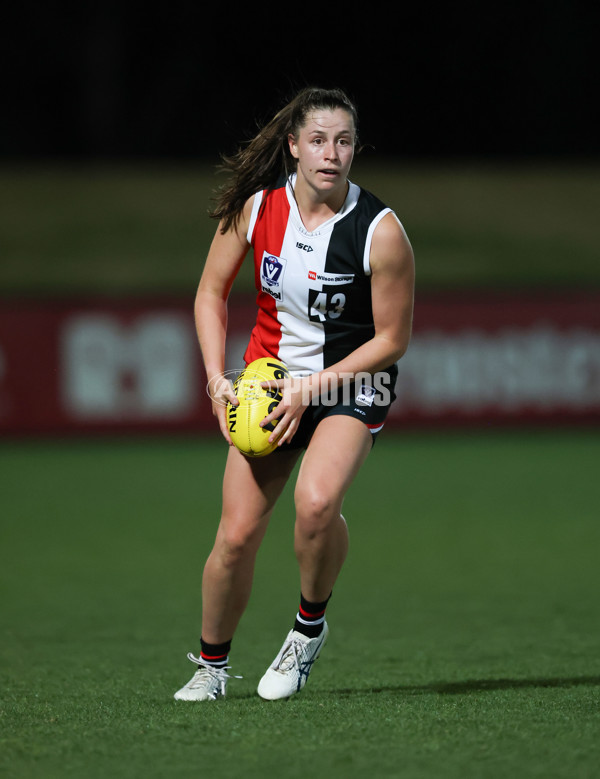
x=143, y=229
x=464, y=640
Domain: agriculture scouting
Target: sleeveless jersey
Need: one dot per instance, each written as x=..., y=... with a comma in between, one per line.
x=314, y=290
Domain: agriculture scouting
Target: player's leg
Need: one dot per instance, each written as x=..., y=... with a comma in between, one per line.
x=250, y=490
x=338, y=448
x=251, y=487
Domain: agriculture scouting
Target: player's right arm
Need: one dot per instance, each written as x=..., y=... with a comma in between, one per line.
x=223, y=262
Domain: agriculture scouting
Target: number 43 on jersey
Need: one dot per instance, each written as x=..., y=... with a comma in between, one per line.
x=324, y=305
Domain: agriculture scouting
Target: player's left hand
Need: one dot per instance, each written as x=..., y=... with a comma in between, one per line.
x=295, y=397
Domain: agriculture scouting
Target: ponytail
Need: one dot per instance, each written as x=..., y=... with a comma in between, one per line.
x=266, y=158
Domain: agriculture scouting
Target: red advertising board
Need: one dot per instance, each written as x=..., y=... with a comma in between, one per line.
x=134, y=365
x=502, y=358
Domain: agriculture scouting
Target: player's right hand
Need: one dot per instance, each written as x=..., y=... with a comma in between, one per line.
x=220, y=390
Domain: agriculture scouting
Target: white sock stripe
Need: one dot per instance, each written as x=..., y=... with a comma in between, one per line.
x=310, y=622
x=214, y=663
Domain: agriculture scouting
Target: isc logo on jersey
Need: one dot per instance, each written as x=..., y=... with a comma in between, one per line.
x=272, y=270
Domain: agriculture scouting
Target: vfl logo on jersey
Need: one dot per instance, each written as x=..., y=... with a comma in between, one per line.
x=272, y=270
x=366, y=395
x=331, y=278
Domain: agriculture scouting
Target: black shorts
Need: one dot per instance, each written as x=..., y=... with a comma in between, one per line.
x=368, y=399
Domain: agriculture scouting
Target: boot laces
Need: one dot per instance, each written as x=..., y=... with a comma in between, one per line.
x=290, y=656
x=217, y=677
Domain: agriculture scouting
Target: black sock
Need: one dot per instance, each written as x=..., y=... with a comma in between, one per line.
x=216, y=655
x=310, y=617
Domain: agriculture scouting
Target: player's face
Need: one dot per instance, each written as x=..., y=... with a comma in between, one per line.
x=324, y=148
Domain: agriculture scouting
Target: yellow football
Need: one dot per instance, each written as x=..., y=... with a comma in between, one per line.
x=255, y=403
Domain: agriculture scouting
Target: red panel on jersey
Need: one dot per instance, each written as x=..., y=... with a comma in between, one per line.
x=269, y=232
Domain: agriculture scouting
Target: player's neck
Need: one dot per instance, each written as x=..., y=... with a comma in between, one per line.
x=317, y=206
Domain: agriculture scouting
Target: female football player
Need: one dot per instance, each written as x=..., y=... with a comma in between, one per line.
x=335, y=275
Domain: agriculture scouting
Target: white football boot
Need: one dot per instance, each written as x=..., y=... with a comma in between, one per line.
x=290, y=669
x=207, y=684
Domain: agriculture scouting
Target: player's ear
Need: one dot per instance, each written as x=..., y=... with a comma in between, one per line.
x=293, y=146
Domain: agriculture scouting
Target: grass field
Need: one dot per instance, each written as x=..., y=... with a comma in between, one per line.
x=141, y=229
x=465, y=629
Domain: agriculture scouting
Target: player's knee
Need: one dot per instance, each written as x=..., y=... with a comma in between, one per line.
x=235, y=543
x=315, y=509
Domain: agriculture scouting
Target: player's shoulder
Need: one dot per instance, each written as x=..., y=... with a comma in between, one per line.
x=386, y=223
x=369, y=208
x=369, y=201
x=274, y=190
x=390, y=244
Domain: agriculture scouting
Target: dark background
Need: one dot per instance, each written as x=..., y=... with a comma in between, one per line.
x=94, y=80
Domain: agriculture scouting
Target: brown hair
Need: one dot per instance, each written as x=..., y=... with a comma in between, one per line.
x=266, y=158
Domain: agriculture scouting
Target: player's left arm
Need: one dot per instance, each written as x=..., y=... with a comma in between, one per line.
x=392, y=292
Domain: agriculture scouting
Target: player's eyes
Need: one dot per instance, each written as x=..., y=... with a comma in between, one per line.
x=340, y=142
